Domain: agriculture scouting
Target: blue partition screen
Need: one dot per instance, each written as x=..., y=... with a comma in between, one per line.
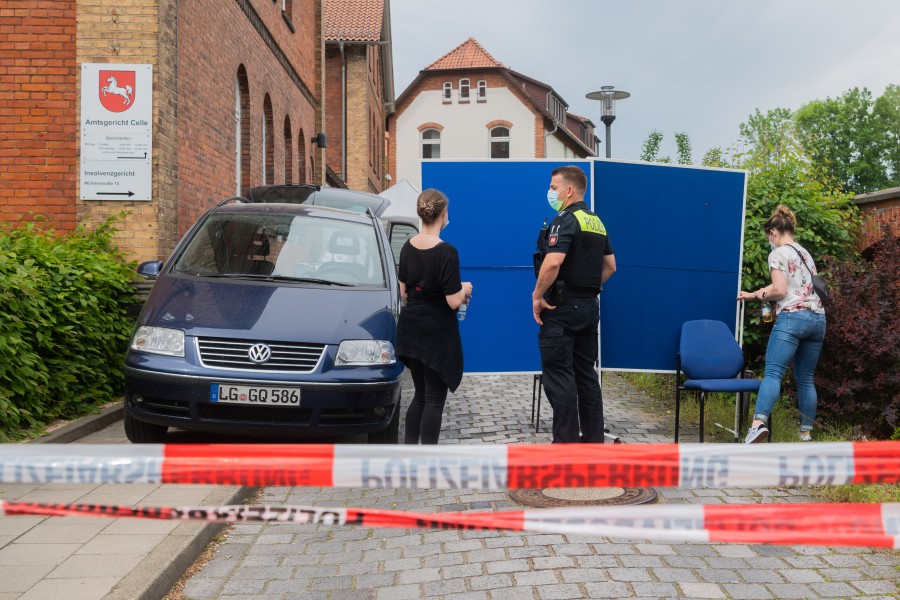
x=676, y=233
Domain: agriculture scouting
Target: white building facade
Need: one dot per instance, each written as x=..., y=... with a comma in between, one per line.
x=467, y=105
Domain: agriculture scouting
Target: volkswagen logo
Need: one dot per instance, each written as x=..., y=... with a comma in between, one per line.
x=259, y=353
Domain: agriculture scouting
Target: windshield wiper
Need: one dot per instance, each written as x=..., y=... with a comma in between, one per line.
x=307, y=280
x=276, y=278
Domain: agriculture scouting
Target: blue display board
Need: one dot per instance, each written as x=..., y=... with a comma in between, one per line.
x=677, y=233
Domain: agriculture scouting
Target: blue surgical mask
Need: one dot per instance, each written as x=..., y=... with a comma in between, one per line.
x=553, y=200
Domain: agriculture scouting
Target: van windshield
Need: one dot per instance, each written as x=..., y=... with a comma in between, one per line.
x=284, y=247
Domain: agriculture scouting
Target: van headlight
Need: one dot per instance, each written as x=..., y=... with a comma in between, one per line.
x=364, y=353
x=158, y=340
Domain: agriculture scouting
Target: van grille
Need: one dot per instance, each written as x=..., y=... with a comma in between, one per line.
x=235, y=354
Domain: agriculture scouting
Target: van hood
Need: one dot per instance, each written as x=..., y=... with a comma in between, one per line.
x=270, y=311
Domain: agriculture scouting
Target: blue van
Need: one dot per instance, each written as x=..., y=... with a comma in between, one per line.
x=276, y=315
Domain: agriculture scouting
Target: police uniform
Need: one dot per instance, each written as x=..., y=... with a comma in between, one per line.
x=568, y=338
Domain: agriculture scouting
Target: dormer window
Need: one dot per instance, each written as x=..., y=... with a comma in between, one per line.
x=482, y=90
x=448, y=92
x=463, y=90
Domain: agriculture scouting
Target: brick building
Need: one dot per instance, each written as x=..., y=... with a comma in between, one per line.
x=879, y=208
x=359, y=91
x=237, y=101
x=469, y=105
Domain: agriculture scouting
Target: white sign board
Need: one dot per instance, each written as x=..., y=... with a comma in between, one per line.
x=116, y=131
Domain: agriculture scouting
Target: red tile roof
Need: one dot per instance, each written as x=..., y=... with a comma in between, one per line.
x=467, y=55
x=353, y=20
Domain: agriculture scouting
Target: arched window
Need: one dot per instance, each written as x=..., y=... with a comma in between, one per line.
x=448, y=91
x=463, y=90
x=288, y=151
x=482, y=90
x=500, y=142
x=268, y=142
x=241, y=132
x=431, y=143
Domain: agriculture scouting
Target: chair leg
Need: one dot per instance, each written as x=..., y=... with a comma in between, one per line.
x=677, y=407
x=702, y=399
x=536, y=390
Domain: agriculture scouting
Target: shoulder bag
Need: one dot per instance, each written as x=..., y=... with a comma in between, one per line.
x=819, y=284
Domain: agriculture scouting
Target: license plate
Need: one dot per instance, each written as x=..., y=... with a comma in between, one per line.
x=254, y=395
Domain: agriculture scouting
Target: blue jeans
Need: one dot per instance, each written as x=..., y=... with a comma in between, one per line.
x=796, y=336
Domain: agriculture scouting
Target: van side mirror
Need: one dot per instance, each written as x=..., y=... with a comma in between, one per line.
x=151, y=268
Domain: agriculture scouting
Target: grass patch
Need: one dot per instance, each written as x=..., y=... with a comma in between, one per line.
x=784, y=424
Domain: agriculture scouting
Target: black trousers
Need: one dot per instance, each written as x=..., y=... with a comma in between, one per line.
x=426, y=410
x=568, y=343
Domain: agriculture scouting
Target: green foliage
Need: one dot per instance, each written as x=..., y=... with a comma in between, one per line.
x=651, y=148
x=846, y=138
x=858, y=378
x=683, y=143
x=887, y=113
x=63, y=322
x=779, y=173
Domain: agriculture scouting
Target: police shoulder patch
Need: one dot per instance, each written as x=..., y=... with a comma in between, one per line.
x=553, y=239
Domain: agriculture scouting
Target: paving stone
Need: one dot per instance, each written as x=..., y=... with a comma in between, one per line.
x=701, y=590
x=833, y=590
x=747, y=591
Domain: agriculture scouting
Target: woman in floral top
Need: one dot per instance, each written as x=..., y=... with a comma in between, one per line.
x=799, y=331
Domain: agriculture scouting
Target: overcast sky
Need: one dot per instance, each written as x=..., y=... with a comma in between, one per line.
x=697, y=66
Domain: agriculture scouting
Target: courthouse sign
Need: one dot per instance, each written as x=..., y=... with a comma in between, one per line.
x=116, y=131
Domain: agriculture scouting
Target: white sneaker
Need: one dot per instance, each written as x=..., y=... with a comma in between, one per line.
x=757, y=434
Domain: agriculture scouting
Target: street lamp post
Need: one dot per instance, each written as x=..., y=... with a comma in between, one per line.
x=607, y=97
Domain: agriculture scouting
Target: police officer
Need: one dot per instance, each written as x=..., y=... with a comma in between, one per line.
x=577, y=259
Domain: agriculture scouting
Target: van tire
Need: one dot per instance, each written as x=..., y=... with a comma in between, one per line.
x=390, y=434
x=139, y=432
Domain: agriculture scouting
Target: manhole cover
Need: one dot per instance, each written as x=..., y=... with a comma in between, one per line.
x=557, y=497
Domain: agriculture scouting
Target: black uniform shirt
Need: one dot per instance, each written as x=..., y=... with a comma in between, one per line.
x=578, y=233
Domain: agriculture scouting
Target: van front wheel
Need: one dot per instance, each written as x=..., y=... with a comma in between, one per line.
x=139, y=432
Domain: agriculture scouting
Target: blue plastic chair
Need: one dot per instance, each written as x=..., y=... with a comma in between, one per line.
x=712, y=361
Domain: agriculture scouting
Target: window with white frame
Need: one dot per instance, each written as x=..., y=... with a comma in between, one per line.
x=463, y=90
x=482, y=90
x=500, y=142
x=431, y=143
x=448, y=92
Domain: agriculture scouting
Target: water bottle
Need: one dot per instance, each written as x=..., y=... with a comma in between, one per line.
x=766, y=315
x=461, y=312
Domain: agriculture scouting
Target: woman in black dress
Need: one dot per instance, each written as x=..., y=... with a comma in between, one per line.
x=428, y=339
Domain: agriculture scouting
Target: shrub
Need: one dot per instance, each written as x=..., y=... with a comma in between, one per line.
x=858, y=377
x=63, y=322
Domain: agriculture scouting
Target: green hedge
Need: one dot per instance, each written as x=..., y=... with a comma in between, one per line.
x=64, y=323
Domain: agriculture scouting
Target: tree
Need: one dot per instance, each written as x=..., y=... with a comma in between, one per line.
x=846, y=138
x=780, y=172
x=887, y=113
x=767, y=138
x=650, y=148
x=683, y=142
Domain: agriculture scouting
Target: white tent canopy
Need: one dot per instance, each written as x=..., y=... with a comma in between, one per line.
x=403, y=196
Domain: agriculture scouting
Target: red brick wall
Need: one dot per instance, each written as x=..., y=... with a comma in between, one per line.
x=877, y=215
x=38, y=134
x=207, y=70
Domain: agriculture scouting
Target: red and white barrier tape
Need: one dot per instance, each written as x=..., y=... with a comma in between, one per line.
x=871, y=525
x=480, y=467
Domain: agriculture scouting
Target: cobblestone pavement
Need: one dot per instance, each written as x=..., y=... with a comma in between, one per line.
x=293, y=562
